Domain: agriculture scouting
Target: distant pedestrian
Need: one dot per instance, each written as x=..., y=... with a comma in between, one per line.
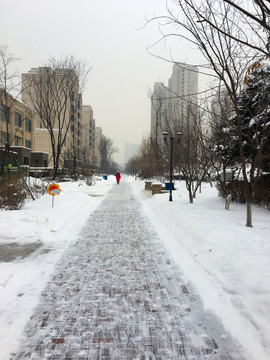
x=118, y=177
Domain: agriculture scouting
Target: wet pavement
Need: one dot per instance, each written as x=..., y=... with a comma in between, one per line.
x=117, y=295
x=12, y=251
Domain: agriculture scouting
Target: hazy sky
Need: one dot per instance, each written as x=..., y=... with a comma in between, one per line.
x=109, y=36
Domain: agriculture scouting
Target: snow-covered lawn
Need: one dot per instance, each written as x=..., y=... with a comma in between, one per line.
x=227, y=263
x=22, y=280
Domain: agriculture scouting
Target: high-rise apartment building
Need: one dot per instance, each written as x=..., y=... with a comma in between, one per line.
x=183, y=94
x=159, y=113
x=174, y=106
x=54, y=97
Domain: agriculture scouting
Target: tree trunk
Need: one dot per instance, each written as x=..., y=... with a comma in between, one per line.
x=224, y=173
x=190, y=193
x=249, y=214
x=248, y=205
x=55, y=168
x=228, y=201
x=248, y=192
x=210, y=180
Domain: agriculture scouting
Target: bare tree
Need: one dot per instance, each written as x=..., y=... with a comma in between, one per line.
x=147, y=163
x=192, y=155
x=54, y=92
x=107, y=149
x=258, y=15
x=251, y=28
x=131, y=166
x=227, y=57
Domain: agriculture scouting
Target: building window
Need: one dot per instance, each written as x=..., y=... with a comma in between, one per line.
x=78, y=133
x=27, y=125
x=72, y=97
x=78, y=142
x=72, y=117
x=72, y=108
x=3, y=138
x=4, y=113
x=28, y=144
x=25, y=161
x=79, y=115
x=72, y=127
x=79, y=124
x=16, y=141
x=18, y=119
x=79, y=104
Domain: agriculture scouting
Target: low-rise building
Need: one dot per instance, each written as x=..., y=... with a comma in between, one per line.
x=15, y=128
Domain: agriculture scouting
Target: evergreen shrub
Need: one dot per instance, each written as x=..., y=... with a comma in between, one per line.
x=261, y=191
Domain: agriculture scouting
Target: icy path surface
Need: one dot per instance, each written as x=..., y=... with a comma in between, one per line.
x=116, y=295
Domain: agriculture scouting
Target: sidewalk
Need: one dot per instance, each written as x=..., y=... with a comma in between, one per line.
x=116, y=295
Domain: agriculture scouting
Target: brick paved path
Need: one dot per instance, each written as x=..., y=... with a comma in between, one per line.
x=116, y=295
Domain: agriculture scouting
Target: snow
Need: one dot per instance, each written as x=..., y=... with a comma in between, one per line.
x=251, y=123
x=227, y=262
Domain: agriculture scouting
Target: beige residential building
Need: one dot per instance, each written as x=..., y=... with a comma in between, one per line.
x=183, y=94
x=41, y=97
x=16, y=127
x=88, y=136
x=98, y=135
x=174, y=107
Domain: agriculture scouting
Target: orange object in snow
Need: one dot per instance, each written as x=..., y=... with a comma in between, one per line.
x=53, y=189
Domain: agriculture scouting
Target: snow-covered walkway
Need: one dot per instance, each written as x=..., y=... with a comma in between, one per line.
x=116, y=294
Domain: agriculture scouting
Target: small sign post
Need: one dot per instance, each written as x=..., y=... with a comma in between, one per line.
x=53, y=189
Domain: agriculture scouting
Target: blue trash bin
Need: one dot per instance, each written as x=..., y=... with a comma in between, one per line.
x=105, y=177
x=167, y=186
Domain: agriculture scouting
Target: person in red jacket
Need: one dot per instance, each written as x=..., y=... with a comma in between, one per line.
x=118, y=177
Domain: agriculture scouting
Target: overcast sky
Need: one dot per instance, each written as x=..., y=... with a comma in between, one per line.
x=109, y=36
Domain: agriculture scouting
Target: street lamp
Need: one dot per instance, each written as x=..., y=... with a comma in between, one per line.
x=171, y=140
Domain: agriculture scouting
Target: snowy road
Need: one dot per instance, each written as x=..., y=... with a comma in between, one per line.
x=116, y=295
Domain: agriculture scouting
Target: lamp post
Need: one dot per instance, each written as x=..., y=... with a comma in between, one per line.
x=171, y=140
